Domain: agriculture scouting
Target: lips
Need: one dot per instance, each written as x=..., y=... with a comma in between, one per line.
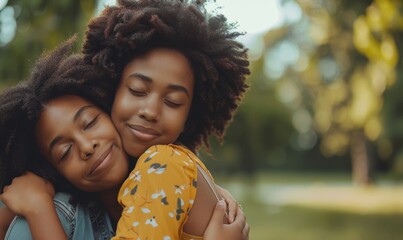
x=143, y=133
x=101, y=159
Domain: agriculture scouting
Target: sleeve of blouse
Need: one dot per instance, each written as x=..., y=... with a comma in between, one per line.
x=157, y=195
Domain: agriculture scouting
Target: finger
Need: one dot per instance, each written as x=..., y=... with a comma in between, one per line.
x=216, y=221
x=232, y=210
x=219, y=211
x=246, y=231
x=231, y=203
x=240, y=218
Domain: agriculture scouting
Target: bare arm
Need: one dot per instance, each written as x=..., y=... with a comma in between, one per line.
x=6, y=216
x=210, y=217
x=203, y=207
x=32, y=197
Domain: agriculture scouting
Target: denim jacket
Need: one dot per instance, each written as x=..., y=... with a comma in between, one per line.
x=89, y=222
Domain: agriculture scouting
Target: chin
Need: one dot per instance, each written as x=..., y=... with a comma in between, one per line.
x=138, y=152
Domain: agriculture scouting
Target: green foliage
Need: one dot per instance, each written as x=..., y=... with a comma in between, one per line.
x=347, y=59
x=41, y=25
x=261, y=126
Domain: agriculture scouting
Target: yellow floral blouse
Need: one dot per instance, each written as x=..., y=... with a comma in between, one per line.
x=158, y=194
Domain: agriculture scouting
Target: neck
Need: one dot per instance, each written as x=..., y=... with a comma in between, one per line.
x=109, y=200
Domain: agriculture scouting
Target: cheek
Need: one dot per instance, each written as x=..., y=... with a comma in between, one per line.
x=177, y=122
x=122, y=108
x=71, y=172
x=108, y=131
x=122, y=169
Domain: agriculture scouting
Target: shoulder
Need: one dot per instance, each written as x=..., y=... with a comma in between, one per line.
x=170, y=153
x=170, y=158
x=19, y=228
x=79, y=221
x=64, y=206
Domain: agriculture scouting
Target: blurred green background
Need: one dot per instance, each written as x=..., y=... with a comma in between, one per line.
x=316, y=149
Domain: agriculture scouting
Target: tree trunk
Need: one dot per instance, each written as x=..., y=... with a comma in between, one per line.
x=360, y=158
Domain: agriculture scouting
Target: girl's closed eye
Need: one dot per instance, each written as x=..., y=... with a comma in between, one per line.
x=91, y=123
x=65, y=153
x=137, y=92
x=172, y=103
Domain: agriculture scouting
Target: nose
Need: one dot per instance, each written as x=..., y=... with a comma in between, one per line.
x=87, y=147
x=150, y=109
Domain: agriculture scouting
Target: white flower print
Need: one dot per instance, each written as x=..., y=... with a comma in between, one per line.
x=152, y=222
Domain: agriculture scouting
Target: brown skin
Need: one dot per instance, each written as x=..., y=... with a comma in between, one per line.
x=227, y=231
x=153, y=99
x=81, y=142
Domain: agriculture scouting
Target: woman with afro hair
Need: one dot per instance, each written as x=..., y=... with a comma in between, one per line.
x=180, y=76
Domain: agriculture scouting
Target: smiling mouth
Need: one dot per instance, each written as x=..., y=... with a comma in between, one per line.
x=101, y=159
x=143, y=133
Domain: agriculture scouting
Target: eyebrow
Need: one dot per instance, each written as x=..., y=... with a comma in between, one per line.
x=59, y=138
x=149, y=80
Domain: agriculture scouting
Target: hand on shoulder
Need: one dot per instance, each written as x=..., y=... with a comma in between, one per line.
x=26, y=193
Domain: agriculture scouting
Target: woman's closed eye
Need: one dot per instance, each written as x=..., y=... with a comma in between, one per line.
x=91, y=123
x=172, y=103
x=137, y=92
x=65, y=153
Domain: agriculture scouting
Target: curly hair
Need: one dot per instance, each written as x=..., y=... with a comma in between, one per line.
x=55, y=74
x=219, y=62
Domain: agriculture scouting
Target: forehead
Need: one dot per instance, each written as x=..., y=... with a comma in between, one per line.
x=62, y=107
x=58, y=115
x=165, y=60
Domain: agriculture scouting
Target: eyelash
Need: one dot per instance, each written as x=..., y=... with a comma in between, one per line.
x=87, y=126
x=66, y=153
x=141, y=94
x=172, y=104
x=136, y=93
x=91, y=123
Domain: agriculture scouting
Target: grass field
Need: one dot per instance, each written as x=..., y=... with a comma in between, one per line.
x=318, y=207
